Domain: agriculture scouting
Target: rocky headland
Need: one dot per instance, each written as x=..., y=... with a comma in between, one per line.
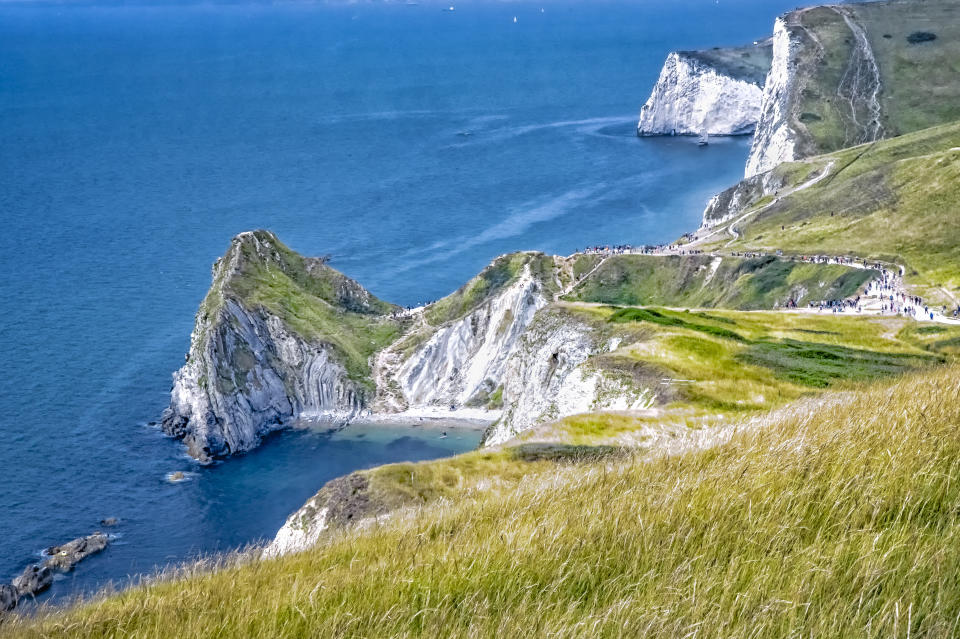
x=281, y=337
x=717, y=92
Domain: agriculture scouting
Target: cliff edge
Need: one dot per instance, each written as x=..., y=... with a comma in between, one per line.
x=717, y=91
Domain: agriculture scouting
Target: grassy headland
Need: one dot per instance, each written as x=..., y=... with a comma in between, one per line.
x=832, y=105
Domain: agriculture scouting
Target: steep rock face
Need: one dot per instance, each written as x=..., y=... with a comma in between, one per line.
x=247, y=371
x=549, y=377
x=729, y=203
x=774, y=140
x=697, y=93
x=466, y=359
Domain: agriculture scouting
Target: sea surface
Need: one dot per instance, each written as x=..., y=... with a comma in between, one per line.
x=410, y=144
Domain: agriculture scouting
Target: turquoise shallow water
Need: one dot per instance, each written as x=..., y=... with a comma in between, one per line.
x=410, y=144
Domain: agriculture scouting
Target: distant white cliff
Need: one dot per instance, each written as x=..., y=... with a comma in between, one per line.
x=718, y=92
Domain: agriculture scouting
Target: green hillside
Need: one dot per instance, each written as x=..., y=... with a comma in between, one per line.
x=897, y=200
x=869, y=70
x=835, y=519
x=703, y=281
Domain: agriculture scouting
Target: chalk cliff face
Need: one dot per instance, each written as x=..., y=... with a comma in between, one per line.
x=467, y=359
x=774, y=140
x=551, y=376
x=248, y=371
x=719, y=92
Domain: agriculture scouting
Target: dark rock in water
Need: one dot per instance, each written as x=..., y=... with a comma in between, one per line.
x=35, y=579
x=68, y=555
x=8, y=598
x=109, y=521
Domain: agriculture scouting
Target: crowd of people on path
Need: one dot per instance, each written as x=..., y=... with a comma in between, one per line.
x=647, y=249
x=887, y=291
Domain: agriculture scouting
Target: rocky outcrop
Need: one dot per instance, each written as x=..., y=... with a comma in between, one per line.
x=342, y=501
x=775, y=138
x=9, y=597
x=727, y=204
x=34, y=580
x=249, y=370
x=718, y=92
x=68, y=555
x=550, y=377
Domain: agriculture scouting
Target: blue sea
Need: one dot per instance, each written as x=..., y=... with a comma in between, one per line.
x=410, y=144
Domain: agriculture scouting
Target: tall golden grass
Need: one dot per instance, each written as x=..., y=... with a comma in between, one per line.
x=839, y=517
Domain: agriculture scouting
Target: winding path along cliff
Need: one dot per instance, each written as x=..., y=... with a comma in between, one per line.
x=718, y=91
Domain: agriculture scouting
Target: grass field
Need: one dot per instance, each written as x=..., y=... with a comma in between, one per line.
x=702, y=281
x=835, y=519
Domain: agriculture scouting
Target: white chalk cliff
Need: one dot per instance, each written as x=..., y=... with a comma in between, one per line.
x=774, y=139
x=469, y=356
x=250, y=371
x=691, y=97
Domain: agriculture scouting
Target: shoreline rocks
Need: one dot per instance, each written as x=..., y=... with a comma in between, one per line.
x=68, y=555
x=9, y=597
x=34, y=580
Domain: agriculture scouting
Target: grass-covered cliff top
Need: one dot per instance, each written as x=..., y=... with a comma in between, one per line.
x=833, y=82
x=894, y=200
x=750, y=63
x=501, y=273
x=834, y=518
x=703, y=281
x=315, y=301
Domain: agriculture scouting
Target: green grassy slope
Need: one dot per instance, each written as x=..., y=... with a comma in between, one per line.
x=894, y=200
x=920, y=87
x=313, y=300
x=750, y=63
x=918, y=81
x=836, y=519
x=698, y=282
x=732, y=363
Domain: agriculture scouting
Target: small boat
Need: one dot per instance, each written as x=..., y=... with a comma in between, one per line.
x=514, y=19
x=704, y=138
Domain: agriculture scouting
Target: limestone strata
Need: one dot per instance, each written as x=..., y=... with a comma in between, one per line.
x=468, y=358
x=248, y=372
x=248, y=375
x=694, y=95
